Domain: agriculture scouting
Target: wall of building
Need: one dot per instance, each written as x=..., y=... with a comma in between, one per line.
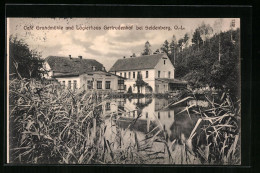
x=164, y=68
x=84, y=78
x=61, y=80
x=132, y=81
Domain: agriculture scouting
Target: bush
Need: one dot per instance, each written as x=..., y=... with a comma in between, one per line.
x=129, y=91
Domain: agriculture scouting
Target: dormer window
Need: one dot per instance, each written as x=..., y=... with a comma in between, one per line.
x=94, y=68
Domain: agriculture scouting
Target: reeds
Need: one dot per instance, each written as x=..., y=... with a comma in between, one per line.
x=52, y=125
x=216, y=136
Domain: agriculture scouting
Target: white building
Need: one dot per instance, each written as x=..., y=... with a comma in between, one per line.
x=79, y=73
x=156, y=71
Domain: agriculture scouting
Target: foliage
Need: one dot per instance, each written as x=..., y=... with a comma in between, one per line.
x=139, y=83
x=166, y=48
x=147, y=49
x=196, y=39
x=129, y=91
x=202, y=67
x=51, y=125
x=215, y=138
x=22, y=60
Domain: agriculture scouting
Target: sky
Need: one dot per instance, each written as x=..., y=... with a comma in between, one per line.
x=102, y=42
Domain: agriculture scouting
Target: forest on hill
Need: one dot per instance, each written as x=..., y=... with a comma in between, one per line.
x=211, y=60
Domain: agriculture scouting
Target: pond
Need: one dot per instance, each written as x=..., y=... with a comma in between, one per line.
x=138, y=120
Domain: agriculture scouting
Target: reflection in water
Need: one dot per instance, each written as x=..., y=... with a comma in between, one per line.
x=144, y=118
x=149, y=113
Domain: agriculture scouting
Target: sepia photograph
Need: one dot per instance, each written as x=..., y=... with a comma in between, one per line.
x=162, y=91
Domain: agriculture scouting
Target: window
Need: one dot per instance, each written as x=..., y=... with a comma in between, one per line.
x=129, y=75
x=159, y=73
x=90, y=84
x=99, y=84
x=146, y=115
x=108, y=84
x=120, y=84
x=159, y=115
x=125, y=74
x=169, y=114
x=133, y=74
x=69, y=84
x=108, y=106
x=74, y=84
x=164, y=62
x=146, y=74
x=169, y=74
x=120, y=74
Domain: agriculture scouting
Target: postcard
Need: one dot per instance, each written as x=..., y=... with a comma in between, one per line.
x=124, y=91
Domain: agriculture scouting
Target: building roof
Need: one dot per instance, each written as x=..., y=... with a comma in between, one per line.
x=89, y=72
x=137, y=63
x=72, y=65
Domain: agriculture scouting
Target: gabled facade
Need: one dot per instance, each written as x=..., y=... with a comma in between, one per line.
x=156, y=70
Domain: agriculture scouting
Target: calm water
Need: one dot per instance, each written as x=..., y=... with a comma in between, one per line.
x=143, y=118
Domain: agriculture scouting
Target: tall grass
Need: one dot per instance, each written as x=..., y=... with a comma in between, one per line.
x=215, y=138
x=52, y=125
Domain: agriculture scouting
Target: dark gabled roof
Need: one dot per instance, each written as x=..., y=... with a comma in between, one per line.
x=137, y=63
x=73, y=65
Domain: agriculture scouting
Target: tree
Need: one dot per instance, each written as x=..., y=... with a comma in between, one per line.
x=196, y=39
x=140, y=82
x=206, y=31
x=186, y=39
x=23, y=62
x=181, y=44
x=157, y=51
x=129, y=91
x=147, y=49
x=166, y=47
x=173, y=47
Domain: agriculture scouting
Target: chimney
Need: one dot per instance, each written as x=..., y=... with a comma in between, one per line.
x=70, y=56
x=80, y=57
